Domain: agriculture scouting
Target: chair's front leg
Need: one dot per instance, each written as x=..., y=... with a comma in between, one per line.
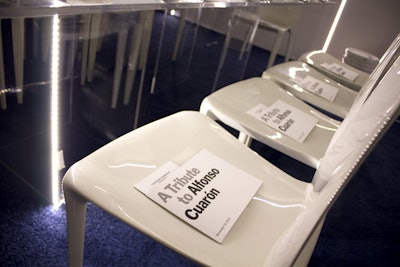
x=275, y=48
x=245, y=139
x=76, y=217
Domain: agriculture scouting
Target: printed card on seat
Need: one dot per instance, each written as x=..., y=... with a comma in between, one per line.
x=206, y=191
x=317, y=87
x=341, y=71
x=286, y=119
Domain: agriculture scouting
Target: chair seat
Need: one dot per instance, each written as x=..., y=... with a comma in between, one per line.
x=317, y=59
x=231, y=103
x=107, y=176
x=288, y=74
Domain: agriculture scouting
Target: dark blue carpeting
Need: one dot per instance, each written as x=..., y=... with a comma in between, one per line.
x=362, y=228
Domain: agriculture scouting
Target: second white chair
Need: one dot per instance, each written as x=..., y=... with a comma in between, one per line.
x=231, y=104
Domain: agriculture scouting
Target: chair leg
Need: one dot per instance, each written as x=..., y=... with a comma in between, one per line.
x=3, y=100
x=154, y=79
x=72, y=48
x=289, y=45
x=143, y=63
x=252, y=34
x=246, y=42
x=181, y=25
x=76, y=216
x=196, y=30
x=224, y=51
x=275, y=48
x=93, y=45
x=245, y=139
x=18, y=30
x=133, y=60
x=45, y=37
x=85, y=46
x=148, y=26
x=119, y=64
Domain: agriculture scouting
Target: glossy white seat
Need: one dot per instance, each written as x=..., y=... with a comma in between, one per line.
x=291, y=74
x=231, y=103
x=321, y=61
x=281, y=224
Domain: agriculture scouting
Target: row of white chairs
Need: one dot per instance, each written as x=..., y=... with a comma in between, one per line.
x=283, y=82
x=282, y=223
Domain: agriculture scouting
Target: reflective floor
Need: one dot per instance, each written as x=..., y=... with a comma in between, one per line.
x=87, y=119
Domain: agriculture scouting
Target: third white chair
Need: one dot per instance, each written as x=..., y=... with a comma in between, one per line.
x=335, y=69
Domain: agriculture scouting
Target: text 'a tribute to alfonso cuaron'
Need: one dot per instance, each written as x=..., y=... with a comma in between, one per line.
x=206, y=191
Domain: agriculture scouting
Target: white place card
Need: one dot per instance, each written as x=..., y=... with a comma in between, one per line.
x=317, y=87
x=206, y=191
x=341, y=71
x=286, y=119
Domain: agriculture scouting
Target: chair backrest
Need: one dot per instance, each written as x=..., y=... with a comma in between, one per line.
x=386, y=61
x=359, y=132
x=280, y=15
x=384, y=64
x=340, y=163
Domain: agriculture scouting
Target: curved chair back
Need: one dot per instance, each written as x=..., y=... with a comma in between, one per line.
x=341, y=161
x=361, y=129
x=385, y=63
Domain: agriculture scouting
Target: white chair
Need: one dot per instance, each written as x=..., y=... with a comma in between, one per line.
x=300, y=79
x=293, y=76
x=231, y=104
x=279, y=20
x=282, y=222
x=335, y=69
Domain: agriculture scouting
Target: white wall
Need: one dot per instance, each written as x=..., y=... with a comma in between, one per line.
x=370, y=25
x=311, y=31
